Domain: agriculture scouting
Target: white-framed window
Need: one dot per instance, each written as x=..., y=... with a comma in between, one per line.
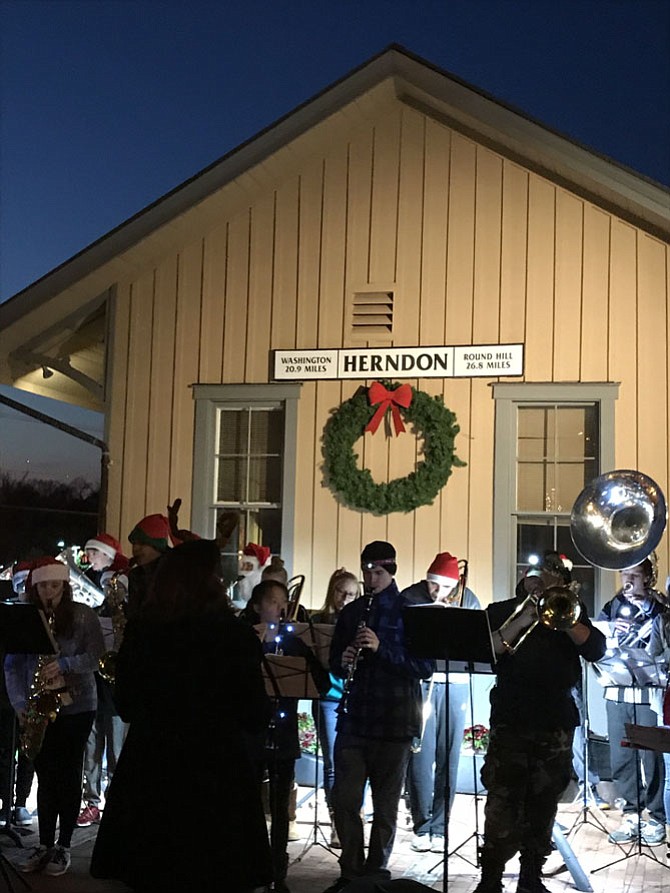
x=244, y=460
x=550, y=441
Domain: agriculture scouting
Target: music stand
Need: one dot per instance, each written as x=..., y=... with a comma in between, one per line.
x=317, y=637
x=23, y=630
x=632, y=667
x=586, y=810
x=459, y=639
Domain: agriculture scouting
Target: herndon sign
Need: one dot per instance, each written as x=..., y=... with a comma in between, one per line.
x=460, y=361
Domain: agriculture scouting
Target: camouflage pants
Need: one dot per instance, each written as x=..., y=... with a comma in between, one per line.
x=525, y=773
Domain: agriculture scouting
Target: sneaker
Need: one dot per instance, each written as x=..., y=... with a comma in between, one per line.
x=653, y=832
x=36, y=859
x=626, y=831
x=420, y=843
x=89, y=815
x=293, y=831
x=599, y=801
x=437, y=844
x=59, y=861
x=21, y=816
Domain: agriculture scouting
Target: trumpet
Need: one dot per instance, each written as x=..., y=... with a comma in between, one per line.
x=558, y=609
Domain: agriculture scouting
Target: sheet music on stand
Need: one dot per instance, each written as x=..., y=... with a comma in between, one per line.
x=630, y=666
x=649, y=737
x=288, y=677
x=317, y=636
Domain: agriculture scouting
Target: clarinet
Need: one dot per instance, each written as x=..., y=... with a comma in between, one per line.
x=368, y=595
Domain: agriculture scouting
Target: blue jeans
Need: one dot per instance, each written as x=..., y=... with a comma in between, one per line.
x=325, y=720
x=384, y=763
x=426, y=778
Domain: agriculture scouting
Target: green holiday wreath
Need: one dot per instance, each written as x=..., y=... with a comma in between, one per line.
x=430, y=418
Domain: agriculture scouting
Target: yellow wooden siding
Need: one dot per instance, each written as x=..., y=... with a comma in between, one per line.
x=475, y=248
x=162, y=350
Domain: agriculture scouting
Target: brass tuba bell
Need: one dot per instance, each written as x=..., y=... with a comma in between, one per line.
x=618, y=519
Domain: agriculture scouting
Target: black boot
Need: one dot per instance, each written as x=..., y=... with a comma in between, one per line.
x=530, y=875
x=492, y=872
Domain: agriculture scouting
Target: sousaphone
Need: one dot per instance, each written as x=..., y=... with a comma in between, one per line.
x=618, y=519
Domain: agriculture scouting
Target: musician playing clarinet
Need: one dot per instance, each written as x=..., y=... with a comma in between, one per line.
x=632, y=612
x=379, y=715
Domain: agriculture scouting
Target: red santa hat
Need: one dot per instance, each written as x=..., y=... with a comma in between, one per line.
x=257, y=555
x=47, y=568
x=444, y=570
x=104, y=543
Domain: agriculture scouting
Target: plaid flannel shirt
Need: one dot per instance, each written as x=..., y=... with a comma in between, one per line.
x=385, y=696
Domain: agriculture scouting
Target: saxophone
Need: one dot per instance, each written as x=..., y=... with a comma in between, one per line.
x=44, y=701
x=115, y=596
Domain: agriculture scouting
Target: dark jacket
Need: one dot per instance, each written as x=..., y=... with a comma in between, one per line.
x=189, y=690
x=534, y=686
x=384, y=700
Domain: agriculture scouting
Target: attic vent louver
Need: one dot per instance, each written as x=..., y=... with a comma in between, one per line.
x=372, y=314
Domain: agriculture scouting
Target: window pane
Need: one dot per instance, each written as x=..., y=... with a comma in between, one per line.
x=536, y=491
x=534, y=537
x=532, y=433
x=265, y=479
x=267, y=431
x=571, y=478
x=233, y=431
x=571, y=433
x=231, y=480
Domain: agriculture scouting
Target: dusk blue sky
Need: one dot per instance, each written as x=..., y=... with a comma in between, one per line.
x=108, y=104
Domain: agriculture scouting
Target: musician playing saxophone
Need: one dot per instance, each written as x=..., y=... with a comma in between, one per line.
x=108, y=567
x=433, y=755
x=58, y=763
x=378, y=719
x=632, y=612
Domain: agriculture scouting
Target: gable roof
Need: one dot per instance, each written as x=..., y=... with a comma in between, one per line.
x=396, y=73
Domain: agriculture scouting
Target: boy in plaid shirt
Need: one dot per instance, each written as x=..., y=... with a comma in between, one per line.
x=379, y=715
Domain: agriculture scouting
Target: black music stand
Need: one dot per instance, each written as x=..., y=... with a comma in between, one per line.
x=586, y=815
x=23, y=630
x=459, y=639
x=317, y=637
x=634, y=668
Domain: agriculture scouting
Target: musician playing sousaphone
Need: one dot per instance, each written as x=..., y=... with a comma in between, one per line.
x=539, y=637
x=632, y=612
x=432, y=753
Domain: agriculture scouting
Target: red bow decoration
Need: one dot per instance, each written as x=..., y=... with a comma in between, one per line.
x=379, y=396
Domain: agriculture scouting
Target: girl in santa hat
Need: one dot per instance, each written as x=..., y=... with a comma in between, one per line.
x=58, y=764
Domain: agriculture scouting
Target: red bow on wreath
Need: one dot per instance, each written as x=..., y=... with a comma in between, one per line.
x=381, y=397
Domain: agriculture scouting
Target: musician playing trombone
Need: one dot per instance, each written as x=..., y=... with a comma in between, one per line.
x=632, y=612
x=533, y=716
x=432, y=753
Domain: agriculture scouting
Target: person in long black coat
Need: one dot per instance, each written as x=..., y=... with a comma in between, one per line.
x=184, y=809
